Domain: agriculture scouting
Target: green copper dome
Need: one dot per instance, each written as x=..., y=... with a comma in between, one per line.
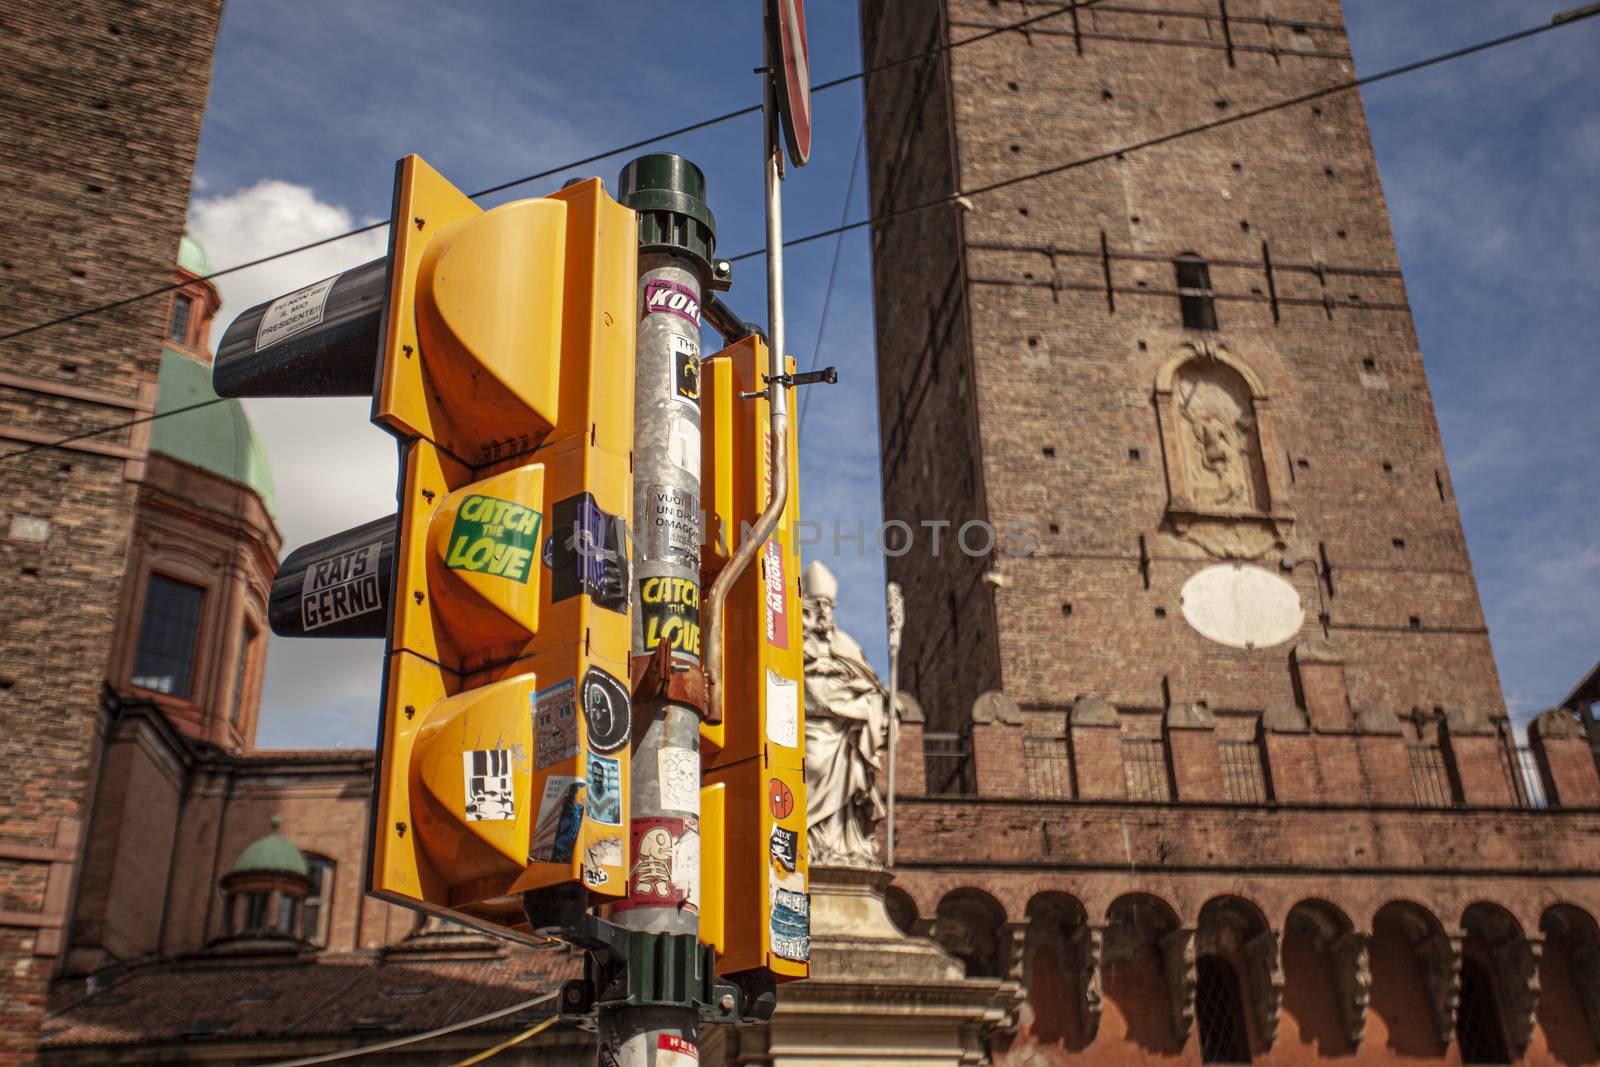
x=218, y=438
x=193, y=258
x=272, y=853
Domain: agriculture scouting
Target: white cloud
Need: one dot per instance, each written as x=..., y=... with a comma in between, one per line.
x=332, y=468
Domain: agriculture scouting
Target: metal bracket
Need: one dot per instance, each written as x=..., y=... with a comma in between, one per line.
x=825, y=376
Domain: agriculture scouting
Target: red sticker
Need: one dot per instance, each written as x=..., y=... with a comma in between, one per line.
x=781, y=799
x=666, y=864
x=675, y=1051
x=777, y=603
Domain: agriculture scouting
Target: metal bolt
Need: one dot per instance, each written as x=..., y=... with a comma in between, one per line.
x=418, y=595
x=420, y=223
x=411, y=709
x=400, y=828
x=726, y=1003
x=407, y=349
x=427, y=494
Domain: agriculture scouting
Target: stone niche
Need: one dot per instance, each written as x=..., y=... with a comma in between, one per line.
x=1227, y=486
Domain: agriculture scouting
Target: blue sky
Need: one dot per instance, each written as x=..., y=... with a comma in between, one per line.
x=1489, y=167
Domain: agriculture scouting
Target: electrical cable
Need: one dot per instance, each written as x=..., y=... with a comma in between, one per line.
x=1165, y=138
x=833, y=274
x=1151, y=142
x=412, y=1039
x=490, y=1053
x=693, y=127
x=47, y=445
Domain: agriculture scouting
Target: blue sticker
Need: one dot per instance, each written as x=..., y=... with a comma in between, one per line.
x=791, y=925
x=605, y=790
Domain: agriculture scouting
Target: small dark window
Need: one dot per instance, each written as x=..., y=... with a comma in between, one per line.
x=1194, y=293
x=241, y=671
x=165, y=660
x=1219, y=1012
x=288, y=913
x=1478, y=1018
x=314, y=911
x=182, y=311
x=255, y=913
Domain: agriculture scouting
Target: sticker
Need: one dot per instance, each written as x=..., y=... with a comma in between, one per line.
x=606, y=852
x=791, y=925
x=289, y=315
x=671, y=610
x=665, y=295
x=582, y=554
x=490, y=797
x=675, y=1051
x=555, y=724
x=780, y=798
x=555, y=833
x=783, y=710
x=777, y=603
x=605, y=790
x=341, y=587
x=494, y=536
x=784, y=847
x=678, y=770
x=674, y=525
x=666, y=864
x=608, y=1056
x=594, y=876
x=605, y=711
x=683, y=447
x=685, y=371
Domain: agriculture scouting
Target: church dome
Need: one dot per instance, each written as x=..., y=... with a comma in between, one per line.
x=273, y=854
x=193, y=258
x=218, y=438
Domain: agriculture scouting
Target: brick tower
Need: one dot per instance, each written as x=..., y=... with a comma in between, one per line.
x=103, y=102
x=1225, y=689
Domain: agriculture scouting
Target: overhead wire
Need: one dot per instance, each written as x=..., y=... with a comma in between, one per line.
x=429, y=1035
x=692, y=127
x=833, y=273
x=1083, y=161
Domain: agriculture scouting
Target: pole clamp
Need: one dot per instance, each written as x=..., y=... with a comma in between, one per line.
x=825, y=376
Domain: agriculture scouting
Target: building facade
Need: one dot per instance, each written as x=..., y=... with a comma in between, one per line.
x=1216, y=763
x=103, y=102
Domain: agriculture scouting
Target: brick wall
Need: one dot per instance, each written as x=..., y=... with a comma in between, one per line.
x=105, y=102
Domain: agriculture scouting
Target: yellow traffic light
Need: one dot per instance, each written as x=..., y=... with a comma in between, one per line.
x=754, y=870
x=506, y=372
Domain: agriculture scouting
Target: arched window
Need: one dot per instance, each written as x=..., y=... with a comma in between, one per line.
x=1478, y=1030
x=1219, y=1012
x=1195, y=297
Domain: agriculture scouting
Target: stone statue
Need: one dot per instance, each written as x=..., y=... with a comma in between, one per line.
x=1215, y=408
x=846, y=731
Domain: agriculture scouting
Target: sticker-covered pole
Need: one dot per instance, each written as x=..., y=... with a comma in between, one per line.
x=677, y=239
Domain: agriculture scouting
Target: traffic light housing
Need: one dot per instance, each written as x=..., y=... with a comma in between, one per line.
x=755, y=875
x=506, y=371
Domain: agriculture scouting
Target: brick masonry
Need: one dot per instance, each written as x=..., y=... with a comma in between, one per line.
x=104, y=101
x=1339, y=814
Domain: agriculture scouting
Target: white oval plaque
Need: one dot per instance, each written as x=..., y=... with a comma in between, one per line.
x=1242, y=606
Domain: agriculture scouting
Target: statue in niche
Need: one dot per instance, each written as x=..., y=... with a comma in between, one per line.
x=1221, y=446
x=847, y=722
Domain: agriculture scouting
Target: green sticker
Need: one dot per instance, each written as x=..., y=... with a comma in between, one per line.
x=495, y=537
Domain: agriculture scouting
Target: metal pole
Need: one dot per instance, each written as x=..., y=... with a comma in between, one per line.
x=777, y=394
x=897, y=622
x=677, y=238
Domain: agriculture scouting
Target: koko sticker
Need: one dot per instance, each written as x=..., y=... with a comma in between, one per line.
x=289, y=315
x=661, y=295
x=555, y=832
x=494, y=536
x=783, y=710
x=606, y=711
x=791, y=925
x=784, y=847
x=487, y=780
x=605, y=790
x=341, y=587
x=674, y=525
x=685, y=371
x=675, y=1051
x=555, y=724
x=671, y=611
x=666, y=864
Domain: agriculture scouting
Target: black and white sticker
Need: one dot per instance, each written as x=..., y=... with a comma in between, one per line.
x=784, y=847
x=606, y=711
x=341, y=587
x=674, y=525
x=289, y=315
x=490, y=794
x=685, y=370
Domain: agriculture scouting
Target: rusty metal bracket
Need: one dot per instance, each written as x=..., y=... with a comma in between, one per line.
x=658, y=675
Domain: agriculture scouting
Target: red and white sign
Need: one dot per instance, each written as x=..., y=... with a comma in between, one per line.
x=788, y=21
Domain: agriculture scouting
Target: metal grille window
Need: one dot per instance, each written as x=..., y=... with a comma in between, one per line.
x=1219, y=1012
x=182, y=311
x=945, y=758
x=1429, y=776
x=1144, y=767
x=1478, y=1019
x=1527, y=781
x=1242, y=779
x=1195, y=297
x=1048, y=768
x=165, y=660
